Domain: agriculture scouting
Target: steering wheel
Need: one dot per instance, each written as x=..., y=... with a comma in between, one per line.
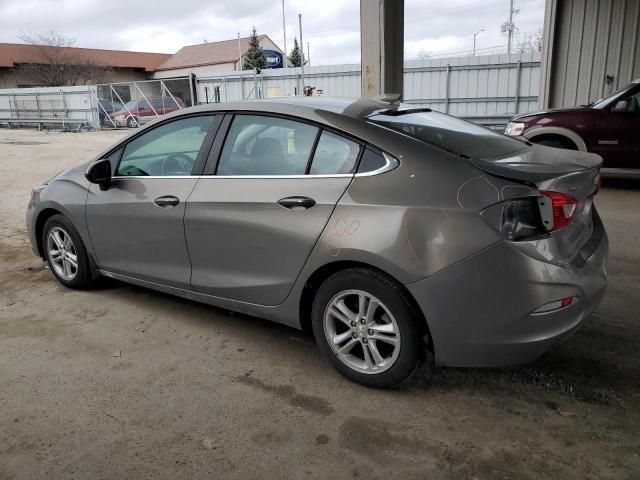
x=176, y=164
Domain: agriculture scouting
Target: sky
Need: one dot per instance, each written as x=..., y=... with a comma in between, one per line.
x=433, y=28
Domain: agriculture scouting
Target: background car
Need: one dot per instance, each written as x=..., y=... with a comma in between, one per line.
x=107, y=107
x=139, y=112
x=387, y=230
x=609, y=127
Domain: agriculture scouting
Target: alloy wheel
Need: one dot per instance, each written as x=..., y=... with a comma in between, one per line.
x=62, y=253
x=362, y=332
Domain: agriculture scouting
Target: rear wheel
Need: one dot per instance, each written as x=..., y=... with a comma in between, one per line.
x=367, y=327
x=66, y=254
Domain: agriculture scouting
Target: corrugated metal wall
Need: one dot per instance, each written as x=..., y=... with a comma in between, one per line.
x=488, y=89
x=588, y=40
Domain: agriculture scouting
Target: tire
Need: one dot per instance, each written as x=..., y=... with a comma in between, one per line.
x=557, y=143
x=58, y=230
x=132, y=122
x=394, y=313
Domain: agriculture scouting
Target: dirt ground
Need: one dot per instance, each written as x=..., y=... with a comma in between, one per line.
x=122, y=382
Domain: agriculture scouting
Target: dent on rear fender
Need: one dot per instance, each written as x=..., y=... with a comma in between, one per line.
x=422, y=228
x=411, y=242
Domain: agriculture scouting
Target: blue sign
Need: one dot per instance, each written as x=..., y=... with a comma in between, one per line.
x=274, y=59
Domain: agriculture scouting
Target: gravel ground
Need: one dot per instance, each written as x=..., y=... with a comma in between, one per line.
x=122, y=382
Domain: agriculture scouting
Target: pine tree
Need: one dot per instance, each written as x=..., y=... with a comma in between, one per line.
x=295, y=57
x=254, y=58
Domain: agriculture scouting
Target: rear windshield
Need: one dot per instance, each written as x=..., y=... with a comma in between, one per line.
x=450, y=134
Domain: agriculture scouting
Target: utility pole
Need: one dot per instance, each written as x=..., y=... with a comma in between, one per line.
x=301, y=54
x=474, y=40
x=508, y=27
x=284, y=34
x=510, y=40
x=308, y=55
x=239, y=53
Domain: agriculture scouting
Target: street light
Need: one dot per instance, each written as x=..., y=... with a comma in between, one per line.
x=474, y=40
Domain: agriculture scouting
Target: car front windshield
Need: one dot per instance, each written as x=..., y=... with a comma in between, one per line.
x=450, y=133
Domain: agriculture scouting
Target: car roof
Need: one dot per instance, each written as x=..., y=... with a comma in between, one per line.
x=358, y=108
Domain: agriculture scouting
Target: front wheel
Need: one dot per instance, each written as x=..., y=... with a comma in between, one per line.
x=367, y=328
x=132, y=122
x=556, y=143
x=66, y=254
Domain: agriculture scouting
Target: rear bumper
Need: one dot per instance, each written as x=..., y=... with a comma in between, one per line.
x=479, y=311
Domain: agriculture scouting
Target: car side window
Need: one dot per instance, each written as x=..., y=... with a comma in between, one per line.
x=633, y=103
x=334, y=154
x=371, y=161
x=263, y=145
x=113, y=160
x=168, y=150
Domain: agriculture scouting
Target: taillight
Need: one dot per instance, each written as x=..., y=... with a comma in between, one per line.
x=516, y=219
x=563, y=209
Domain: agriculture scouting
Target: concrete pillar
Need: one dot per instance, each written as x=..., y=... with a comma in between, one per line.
x=382, y=46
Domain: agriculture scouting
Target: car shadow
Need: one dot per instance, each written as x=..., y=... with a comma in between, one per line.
x=600, y=364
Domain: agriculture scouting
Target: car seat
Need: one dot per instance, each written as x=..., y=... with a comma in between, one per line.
x=267, y=157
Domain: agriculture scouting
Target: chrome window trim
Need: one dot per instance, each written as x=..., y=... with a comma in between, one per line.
x=390, y=164
x=337, y=175
x=119, y=177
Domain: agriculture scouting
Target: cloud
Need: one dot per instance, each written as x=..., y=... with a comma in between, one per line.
x=331, y=27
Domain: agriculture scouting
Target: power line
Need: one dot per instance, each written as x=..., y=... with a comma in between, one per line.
x=496, y=48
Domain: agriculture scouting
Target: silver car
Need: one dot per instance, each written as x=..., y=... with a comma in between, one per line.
x=393, y=233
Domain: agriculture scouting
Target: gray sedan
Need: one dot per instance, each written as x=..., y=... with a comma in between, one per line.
x=393, y=233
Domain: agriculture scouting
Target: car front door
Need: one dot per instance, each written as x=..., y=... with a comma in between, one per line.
x=265, y=198
x=136, y=225
x=618, y=132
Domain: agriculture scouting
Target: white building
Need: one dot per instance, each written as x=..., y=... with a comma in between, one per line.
x=210, y=58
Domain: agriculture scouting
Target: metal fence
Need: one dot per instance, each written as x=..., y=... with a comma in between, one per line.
x=63, y=107
x=124, y=104
x=487, y=89
x=131, y=104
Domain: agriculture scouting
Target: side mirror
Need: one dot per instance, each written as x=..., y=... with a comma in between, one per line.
x=620, y=107
x=99, y=173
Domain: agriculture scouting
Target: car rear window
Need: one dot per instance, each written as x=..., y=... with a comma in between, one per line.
x=450, y=133
x=334, y=155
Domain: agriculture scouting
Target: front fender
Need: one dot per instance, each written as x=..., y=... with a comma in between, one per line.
x=565, y=132
x=66, y=195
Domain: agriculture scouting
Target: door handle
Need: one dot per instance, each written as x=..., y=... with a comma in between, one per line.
x=167, y=201
x=297, y=203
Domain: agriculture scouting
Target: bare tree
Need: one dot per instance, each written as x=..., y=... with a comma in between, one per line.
x=56, y=63
x=532, y=43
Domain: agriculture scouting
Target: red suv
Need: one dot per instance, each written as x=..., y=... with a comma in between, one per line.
x=609, y=127
x=137, y=112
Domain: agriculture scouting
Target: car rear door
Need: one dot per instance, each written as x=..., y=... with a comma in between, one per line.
x=267, y=192
x=136, y=225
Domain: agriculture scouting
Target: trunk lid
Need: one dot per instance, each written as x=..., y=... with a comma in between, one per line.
x=555, y=170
